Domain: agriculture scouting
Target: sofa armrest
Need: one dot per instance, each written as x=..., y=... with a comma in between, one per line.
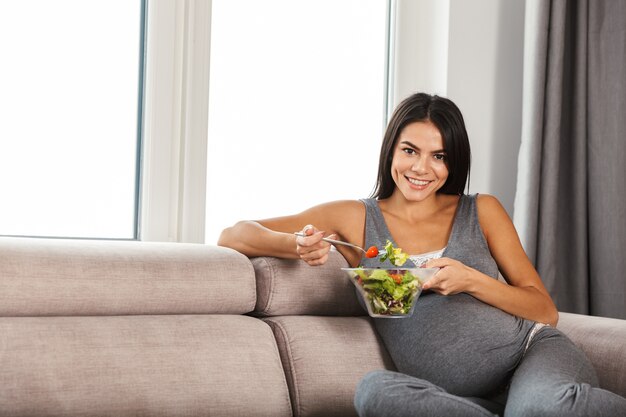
x=292, y=287
x=604, y=341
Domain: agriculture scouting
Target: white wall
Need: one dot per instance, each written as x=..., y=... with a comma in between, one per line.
x=481, y=73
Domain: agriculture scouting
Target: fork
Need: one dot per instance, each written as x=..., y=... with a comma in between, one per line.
x=341, y=242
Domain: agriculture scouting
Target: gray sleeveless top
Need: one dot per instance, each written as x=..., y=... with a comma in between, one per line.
x=457, y=342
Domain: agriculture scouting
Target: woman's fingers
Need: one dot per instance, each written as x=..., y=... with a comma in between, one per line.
x=310, y=240
x=435, y=283
x=438, y=263
x=453, y=276
x=431, y=283
x=308, y=230
x=311, y=248
x=315, y=257
x=318, y=261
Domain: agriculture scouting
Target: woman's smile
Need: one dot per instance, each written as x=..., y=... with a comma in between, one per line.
x=419, y=184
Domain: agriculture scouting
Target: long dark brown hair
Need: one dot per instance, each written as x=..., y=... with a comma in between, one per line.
x=447, y=117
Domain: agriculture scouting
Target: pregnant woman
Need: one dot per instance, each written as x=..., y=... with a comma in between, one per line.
x=475, y=345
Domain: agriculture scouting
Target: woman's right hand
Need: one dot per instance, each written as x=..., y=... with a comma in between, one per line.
x=311, y=248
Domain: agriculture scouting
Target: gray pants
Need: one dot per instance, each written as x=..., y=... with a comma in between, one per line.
x=554, y=378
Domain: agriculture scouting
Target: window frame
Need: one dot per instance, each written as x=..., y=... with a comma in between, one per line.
x=175, y=115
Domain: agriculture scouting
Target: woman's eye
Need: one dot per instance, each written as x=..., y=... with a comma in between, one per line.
x=409, y=151
x=440, y=157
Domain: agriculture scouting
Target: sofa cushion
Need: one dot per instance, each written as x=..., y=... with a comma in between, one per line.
x=292, y=287
x=324, y=358
x=89, y=277
x=188, y=365
x=603, y=340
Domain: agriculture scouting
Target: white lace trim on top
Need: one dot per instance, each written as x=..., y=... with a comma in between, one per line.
x=420, y=259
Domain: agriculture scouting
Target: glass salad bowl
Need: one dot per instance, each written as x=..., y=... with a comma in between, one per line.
x=389, y=292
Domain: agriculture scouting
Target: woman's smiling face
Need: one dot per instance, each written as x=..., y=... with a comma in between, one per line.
x=419, y=166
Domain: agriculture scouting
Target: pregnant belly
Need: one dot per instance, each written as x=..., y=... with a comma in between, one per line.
x=457, y=342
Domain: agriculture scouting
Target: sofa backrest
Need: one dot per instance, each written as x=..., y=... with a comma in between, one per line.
x=57, y=277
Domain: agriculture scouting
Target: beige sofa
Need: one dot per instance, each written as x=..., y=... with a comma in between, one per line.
x=109, y=328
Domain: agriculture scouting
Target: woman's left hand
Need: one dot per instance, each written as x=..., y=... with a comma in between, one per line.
x=453, y=277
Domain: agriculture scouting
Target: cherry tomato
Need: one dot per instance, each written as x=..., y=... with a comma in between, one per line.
x=372, y=252
x=397, y=278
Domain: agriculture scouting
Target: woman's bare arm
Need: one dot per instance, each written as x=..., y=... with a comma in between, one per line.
x=253, y=239
x=275, y=237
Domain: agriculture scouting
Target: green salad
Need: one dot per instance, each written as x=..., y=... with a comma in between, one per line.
x=390, y=292
x=395, y=255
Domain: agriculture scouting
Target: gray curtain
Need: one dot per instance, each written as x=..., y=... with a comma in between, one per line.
x=570, y=202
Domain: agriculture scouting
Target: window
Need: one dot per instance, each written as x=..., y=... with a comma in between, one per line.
x=296, y=106
x=70, y=83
